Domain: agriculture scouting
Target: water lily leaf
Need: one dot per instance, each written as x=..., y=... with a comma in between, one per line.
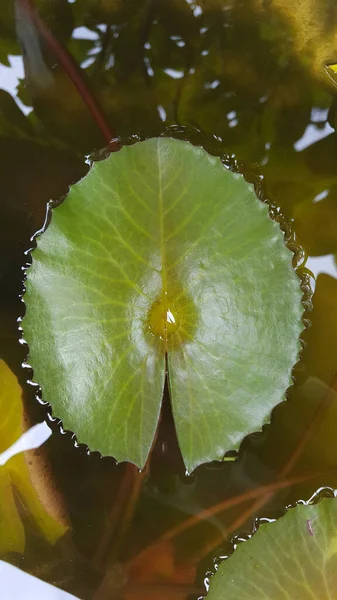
x=16, y=478
x=296, y=557
x=159, y=250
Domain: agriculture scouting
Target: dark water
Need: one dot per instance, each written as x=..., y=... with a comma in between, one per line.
x=235, y=76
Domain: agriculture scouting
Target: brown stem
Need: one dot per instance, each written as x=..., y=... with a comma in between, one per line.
x=125, y=488
x=208, y=513
x=129, y=509
x=69, y=65
x=204, y=515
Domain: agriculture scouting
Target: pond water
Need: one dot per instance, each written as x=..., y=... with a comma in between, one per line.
x=244, y=78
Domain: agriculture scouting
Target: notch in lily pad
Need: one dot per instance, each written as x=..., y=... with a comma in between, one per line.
x=162, y=251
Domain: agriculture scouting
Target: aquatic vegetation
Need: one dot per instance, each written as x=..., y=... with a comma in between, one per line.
x=249, y=83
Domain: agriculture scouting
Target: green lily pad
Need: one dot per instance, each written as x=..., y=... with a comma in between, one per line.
x=161, y=250
x=294, y=558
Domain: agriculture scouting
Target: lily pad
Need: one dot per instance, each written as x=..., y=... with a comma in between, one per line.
x=296, y=558
x=162, y=250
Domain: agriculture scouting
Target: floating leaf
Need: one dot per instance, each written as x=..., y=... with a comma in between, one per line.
x=158, y=250
x=15, y=477
x=296, y=558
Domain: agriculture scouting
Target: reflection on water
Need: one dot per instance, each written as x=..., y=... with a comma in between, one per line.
x=245, y=78
x=313, y=134
x=10, y=77
x=31, y=439
x=322, y=264
x=16, y=585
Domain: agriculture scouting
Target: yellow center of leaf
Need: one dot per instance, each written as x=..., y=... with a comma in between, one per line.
x=163, y=319
x=172, y=319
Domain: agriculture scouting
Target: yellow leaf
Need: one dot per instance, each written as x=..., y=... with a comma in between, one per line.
x=12, y=535
x=16, y=479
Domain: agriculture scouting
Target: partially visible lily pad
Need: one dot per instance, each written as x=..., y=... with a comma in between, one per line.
x=294, y=558
x=162, y=250
x=16, y=478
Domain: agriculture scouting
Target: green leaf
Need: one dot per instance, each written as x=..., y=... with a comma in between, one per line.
x=294, y=558
x=16, y=477
x=161, y=249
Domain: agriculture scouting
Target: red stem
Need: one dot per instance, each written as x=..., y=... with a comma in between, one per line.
x=65, y=59
x=222, y=506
